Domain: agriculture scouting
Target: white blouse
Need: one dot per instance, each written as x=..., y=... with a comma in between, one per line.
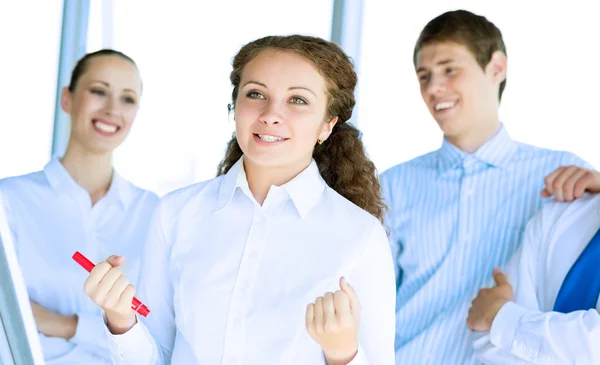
x=228, y=281
x=51, y=217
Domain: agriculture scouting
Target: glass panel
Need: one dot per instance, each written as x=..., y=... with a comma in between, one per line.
x=28, y=74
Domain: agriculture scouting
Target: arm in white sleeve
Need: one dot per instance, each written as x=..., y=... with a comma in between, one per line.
x=90, y=334
x=151, y=340
x=548, y=338
x=373, y=281
x=523, y=276
x=521, y=331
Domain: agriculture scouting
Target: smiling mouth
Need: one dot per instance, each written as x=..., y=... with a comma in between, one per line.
x=269, y=139
x=105, y=127
x=444, y=106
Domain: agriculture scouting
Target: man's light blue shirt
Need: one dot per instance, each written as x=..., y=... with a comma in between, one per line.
x=453, y=217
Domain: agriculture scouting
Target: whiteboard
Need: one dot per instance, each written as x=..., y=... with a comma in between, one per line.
x=19, y=342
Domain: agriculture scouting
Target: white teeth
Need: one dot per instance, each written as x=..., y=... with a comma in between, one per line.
x=105, y=127
x=269, y=138
x=446, y=105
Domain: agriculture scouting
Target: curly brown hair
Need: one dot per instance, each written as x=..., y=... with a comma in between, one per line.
x=341, y=159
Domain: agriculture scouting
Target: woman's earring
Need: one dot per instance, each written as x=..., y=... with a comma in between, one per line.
x=319, y=141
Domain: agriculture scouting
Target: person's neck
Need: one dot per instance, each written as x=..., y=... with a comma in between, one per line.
x=93, y=172
x=473, y=140
x=261, y=178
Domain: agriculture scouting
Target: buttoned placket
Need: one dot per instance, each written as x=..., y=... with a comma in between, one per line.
x=235, y=340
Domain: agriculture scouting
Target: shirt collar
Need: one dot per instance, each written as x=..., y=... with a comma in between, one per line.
x=449, y=157
x=60, y=180
x=304, y=190
x=496, y=152
x=120, y=190
x=234, y=178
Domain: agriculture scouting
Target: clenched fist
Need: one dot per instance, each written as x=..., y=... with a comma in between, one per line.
x=332, y=321
x=110, y=289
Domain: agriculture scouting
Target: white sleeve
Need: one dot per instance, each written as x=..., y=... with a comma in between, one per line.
x=151, y=340
x=522, y=274
x=89, y=333
x=373, y=281
x=546, y=338
x=522, y=334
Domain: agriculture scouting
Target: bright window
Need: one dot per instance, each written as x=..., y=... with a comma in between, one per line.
x=184, y=52
x=551, y=93
x=31, y=44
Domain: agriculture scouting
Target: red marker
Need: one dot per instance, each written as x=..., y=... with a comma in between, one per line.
x=136, y=305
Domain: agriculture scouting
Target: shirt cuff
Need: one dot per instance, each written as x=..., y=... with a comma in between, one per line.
x=132, y=347
x=89, y=327
x=359, y=359
x=505, y=324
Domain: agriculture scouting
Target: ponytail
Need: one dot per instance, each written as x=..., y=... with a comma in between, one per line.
x=345, y=167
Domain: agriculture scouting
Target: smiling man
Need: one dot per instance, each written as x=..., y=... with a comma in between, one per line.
x=456, y=213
